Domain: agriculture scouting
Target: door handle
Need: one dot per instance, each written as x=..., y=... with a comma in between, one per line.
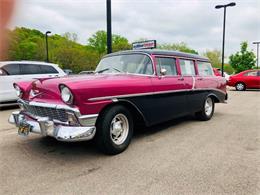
x=181, y=79
x=200, y=79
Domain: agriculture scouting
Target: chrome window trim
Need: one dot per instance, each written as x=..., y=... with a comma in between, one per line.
x=153, y=93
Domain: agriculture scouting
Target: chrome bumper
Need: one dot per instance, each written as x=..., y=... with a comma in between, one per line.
x=46, y=127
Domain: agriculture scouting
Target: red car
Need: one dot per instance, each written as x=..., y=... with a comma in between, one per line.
x=127, y=88
x=249, y=79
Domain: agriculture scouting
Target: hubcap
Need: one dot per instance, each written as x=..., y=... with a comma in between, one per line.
x=240, y=86
x=119, y=129
x=208, y=106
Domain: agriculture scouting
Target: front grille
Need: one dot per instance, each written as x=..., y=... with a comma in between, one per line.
x=52, y=113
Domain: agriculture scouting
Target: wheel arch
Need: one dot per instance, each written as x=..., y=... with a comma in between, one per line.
x=214, y=97
x=133, y=109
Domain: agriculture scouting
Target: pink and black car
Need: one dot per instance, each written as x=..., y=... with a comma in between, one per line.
x=128, y=88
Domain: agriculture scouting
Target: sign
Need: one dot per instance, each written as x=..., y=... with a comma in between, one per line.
x=144, y=44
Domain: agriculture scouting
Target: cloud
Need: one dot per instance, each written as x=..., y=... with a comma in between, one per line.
x=195, y=22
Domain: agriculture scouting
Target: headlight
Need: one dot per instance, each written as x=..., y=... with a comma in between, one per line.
x=18, y=90
x=66, y=95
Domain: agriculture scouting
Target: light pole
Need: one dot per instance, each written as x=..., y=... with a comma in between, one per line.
x=47, y=48
x=257, y=52
x=109, y=28
x=224, y=28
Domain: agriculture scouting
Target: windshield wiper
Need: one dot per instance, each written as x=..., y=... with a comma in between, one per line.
x=103, y=70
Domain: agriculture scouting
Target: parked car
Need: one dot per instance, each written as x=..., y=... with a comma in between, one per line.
x=14, y=71
x=217, y=72
x=128, y=88
x=249, y=79
x=68, y=71
x=87, y=72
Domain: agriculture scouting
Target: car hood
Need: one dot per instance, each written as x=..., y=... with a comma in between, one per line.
x=88, y=86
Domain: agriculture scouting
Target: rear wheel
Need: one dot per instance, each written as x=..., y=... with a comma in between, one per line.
x=240, y=87
x=114, y=130
x=207, y=111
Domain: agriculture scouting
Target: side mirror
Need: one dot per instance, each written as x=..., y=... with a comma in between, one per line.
x=163, y=71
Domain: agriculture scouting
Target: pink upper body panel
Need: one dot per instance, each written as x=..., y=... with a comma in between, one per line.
x=90, y=91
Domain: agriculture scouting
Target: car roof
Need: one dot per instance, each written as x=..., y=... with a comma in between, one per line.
x=161, y=52
x=27, y=62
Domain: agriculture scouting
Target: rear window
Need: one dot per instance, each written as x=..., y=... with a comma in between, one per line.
x=205, y=69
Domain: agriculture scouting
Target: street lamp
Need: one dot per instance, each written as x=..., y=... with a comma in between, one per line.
x=47, y=49
x=224, y=26
x=257, y=52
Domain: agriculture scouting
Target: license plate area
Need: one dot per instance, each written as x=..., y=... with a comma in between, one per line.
x=24, y=129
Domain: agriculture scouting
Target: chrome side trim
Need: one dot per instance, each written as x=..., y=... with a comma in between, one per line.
x=152, y=93
x=193, y=82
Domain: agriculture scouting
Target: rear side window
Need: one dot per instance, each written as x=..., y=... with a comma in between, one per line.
x=45, y=69
x=187, y=67
x=252, y=73
x=167, y=63
x=205, y=69
x=11, y=69
x=30, y=69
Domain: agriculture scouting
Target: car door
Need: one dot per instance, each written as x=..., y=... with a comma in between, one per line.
x=251, y=79
x=10, y=73
x=170, y=89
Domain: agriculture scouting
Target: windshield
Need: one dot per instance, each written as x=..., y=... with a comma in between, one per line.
x=126, y=63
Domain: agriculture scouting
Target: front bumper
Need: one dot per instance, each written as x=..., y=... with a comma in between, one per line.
x=47, y=127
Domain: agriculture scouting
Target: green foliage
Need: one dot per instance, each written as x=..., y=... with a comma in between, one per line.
x=178, y=47
x=98, y=41
x=214, y=57
x=242, y=60
x=29, y=44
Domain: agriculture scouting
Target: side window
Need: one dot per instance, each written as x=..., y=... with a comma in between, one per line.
x=45, y=69
x=252, y=73
x=30, y=69
x=167, y=63
x=11, y=69
x=187, y=67
x=205, y=69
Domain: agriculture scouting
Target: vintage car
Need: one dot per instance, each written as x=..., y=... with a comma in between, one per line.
x=248, y=79
x=144, y=87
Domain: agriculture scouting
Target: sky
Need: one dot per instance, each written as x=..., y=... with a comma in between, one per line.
x=195, y=22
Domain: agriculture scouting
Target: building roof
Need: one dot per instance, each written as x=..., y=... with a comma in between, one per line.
x=161, y=52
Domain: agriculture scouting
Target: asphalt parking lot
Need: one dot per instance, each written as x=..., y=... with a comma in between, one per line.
x=183, y=156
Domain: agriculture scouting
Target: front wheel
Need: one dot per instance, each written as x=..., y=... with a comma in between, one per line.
x=207, y=111
x=114, y=130
x=240, y=87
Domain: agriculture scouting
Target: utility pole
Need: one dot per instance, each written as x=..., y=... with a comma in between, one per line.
x=47, y=48
x=109, y=28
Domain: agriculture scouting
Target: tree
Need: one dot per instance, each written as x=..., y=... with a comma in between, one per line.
x=242, y=60
x=177, y=46
x=98, y=42
x=214, y=57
